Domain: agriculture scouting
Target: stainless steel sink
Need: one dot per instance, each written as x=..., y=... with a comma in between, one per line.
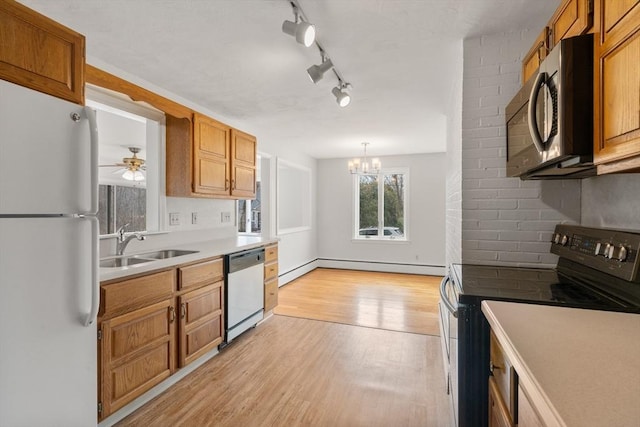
x=127, y=260
x=122, y=262
x=164, y=254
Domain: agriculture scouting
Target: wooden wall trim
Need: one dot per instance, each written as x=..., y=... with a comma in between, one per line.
x=106, y=80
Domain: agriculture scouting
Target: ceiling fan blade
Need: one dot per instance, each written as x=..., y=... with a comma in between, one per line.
x=115, y=165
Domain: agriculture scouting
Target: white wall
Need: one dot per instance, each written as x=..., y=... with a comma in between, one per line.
x=426, y=217
x=504, y=220
x=612, y=201
x=454, y=169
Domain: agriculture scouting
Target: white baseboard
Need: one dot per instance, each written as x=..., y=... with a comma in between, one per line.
x=385, y=267
x=287, y=277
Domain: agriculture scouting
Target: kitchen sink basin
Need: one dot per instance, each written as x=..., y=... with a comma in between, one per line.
x=164, y=254
x=122, y=262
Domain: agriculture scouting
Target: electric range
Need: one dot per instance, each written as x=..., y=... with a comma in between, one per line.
x=597, y=269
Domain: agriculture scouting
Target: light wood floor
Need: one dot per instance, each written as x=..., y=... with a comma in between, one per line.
x=397, y=302
x=299, y=372
x=291, y=371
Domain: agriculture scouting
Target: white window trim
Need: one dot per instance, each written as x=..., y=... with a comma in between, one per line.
x=355, y=236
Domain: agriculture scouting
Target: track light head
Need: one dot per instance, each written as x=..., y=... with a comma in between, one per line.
x=342, y=98
x=317, y=71
x=304, y=32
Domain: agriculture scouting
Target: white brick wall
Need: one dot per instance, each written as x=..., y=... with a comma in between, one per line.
x=504, y=220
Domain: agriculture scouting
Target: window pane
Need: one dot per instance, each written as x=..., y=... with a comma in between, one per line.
x=253, y=223
x=131, y=208
x=394, y=205
x=368, y=223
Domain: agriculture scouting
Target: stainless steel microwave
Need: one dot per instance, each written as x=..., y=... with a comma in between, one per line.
x=550, y=120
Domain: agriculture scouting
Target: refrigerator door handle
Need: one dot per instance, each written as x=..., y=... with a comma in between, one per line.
x=95, y=271
x=93, y=130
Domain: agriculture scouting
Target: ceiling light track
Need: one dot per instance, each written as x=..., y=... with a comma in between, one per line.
x=304, y=32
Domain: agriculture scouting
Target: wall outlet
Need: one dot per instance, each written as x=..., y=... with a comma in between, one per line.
x=194, y=217
x=226, y=217
x=174, y=218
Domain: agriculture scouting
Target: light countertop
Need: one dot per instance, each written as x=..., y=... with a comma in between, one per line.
x=206, y=249
x=579, y=367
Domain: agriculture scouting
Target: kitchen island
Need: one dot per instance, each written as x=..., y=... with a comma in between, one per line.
x=576, y=367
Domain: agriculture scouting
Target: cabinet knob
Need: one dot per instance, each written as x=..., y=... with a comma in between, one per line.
x=226, y=184
x=183, y=311
x=492, y=367
x=172, y=314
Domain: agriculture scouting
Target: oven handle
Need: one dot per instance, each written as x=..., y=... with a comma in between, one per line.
x=443, y=296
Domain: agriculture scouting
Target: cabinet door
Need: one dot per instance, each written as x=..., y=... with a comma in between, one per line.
x=243, y=158
x=211, y=157
x=572, y=18
x=137, y=351
x=527, y=416
x=617, y=102
x=41, y=54
x=498, y=411
x=201, y=321
x=536, y=54
x=270, y=294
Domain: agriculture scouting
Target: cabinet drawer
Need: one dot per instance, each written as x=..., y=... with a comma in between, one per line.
x=271, y=253
x=200, y=274
x=503, y=374
x=128, y=295
x=270, y=294
x=270, y=271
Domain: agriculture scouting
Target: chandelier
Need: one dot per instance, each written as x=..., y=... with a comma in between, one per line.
x=362, y=166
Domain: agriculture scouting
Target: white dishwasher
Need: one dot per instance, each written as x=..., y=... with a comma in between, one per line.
x=244, y=296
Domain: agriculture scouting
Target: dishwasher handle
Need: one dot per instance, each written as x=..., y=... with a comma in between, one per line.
x=242, y=260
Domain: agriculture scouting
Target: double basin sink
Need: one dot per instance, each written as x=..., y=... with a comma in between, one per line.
x=128, y=260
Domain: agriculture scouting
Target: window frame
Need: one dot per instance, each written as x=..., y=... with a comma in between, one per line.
x=355, y=235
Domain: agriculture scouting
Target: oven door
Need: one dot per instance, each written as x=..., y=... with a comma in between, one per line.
x=448, y=309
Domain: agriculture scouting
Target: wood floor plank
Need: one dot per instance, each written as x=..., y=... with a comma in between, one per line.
x=392, y=301
x=298, y=372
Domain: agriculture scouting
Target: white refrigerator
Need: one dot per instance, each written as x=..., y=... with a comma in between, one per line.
x=49, y=275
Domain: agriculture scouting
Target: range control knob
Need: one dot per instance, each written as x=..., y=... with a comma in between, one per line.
x=556, y=238
x=622, y=253
x=598, y=246
x=608, y=248
x=564, y=240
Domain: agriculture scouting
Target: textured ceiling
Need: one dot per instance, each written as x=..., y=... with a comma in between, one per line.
x=403, y=58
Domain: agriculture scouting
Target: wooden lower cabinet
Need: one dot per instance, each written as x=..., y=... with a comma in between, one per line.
x=201, y=321
x=137, y=351
x=498, y=411
x=270, y=277
x=527, y=415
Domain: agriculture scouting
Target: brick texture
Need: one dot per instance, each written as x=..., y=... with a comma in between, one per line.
x=504, y=221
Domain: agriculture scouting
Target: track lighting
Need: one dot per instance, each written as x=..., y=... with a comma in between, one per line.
x=304, y=32
x=317, y=71
x=342, y=98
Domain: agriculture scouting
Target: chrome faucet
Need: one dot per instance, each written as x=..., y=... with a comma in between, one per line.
x=124, y=241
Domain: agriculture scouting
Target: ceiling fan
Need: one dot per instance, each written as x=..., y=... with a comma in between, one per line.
x=132, y=168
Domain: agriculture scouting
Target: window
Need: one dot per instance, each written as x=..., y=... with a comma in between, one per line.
x=120, y=205
x=381, y=205
x=250, y=214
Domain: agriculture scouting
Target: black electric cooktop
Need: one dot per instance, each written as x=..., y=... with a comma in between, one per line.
x=571, y=286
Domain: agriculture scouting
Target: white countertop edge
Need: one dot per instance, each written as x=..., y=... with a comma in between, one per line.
x=526, y=379
x=206, y=249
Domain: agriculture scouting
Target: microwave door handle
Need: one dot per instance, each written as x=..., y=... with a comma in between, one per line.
x=443, y=296
x=532, y=119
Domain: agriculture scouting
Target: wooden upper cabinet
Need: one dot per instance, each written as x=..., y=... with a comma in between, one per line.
x=211, y=156
x=206, y=158
x=572, y=18
x=244, y=149
x=617, y=100
x=536, y=54
x=41, y=54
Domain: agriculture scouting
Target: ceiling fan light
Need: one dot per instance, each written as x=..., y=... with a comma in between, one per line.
x=342, y=98
x=130, y=175
x=317, y=71
x=304, y=32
